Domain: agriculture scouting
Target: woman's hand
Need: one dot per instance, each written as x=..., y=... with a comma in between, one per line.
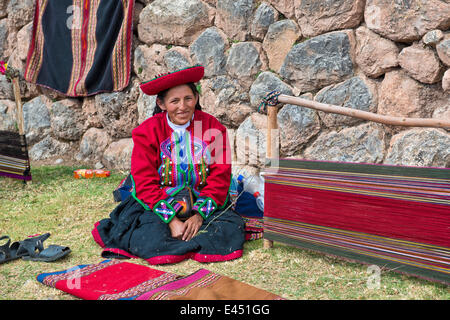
x=192, y=225
x=177, y=228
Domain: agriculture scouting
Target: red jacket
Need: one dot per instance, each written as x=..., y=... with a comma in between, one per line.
x=158, y=173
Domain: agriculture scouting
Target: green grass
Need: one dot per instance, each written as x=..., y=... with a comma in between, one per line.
x=68, y=208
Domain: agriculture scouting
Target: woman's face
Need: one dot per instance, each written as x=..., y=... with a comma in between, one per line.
x=179, y=103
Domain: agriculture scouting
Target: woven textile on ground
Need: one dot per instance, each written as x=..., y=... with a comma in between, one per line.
x=14, y=161
x=247, y=208
x=118, y=280
x=80, y=48
x=396, y=217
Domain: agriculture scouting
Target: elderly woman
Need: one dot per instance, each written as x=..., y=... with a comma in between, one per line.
x=181, y=171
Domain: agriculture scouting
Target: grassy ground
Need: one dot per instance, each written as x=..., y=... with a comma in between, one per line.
x=67, y=208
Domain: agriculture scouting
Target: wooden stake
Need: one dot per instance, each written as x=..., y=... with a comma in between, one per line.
x=19, y=112
x=271, y=141
x=19, y=109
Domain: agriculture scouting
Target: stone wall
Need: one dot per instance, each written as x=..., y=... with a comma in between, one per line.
x=389, y=57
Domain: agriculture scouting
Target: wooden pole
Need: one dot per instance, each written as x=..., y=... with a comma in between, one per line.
x=271, y=141
x=19, y=112
x=19, y=108
x=389, y=120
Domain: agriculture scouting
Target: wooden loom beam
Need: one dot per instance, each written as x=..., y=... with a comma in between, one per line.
x=384, y=119
x=19, y=107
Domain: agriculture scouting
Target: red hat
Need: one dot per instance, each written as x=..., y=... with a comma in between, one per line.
x=172, y=79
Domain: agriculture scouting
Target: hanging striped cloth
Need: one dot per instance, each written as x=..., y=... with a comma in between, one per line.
x=81, y=47
x=14, y=161
x=396, y=217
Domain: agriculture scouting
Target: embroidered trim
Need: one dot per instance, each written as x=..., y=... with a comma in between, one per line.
x=167, y=209
x=205, y=206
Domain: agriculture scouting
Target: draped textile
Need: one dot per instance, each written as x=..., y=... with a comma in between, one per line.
x=118, y=280
x=81, y=47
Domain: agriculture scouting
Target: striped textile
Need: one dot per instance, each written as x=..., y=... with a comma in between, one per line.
x=394, y=216
x=14, y=161
x=81, y=47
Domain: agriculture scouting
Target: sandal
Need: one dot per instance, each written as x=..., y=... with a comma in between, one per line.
x=11, y=252
x=36, y=252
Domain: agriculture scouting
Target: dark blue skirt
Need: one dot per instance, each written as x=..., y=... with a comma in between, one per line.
x=133, y=232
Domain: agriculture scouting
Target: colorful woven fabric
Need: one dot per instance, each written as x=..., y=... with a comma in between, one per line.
x=254, y=228
x=118, y=280
x=81, y=47
x=107, y=280
x=207, y=285
x=394, y=216
x=247, y=208
x=14, y=160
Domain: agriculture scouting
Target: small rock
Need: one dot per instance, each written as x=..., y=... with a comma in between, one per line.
x=432, y=38
x=99, y=165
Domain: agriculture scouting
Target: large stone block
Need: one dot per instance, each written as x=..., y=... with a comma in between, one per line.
x=297, y=125
x=364, y=144
x=245, y=60
x=375, y=55
x=175, y=22
x=317, y=17
x=407, y=20
x=279, y=40
x=421, y=63
x=234, y=18
x=319, y=61
x=209, y=51
x=420, y=147
x=67, y=119
x=355, y=93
